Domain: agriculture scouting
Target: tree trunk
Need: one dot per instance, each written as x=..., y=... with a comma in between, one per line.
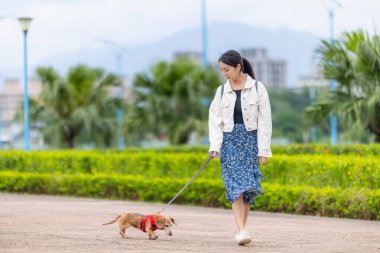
x=375, y=130
x=71, y=143
x=183, y=139
x=69, y=137
x=377, y=137
x=70, y=140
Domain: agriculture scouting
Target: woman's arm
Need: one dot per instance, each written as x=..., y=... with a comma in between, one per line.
x=264, y=128
x=215, y=123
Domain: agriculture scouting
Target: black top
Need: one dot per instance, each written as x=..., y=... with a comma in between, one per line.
x=238, y=115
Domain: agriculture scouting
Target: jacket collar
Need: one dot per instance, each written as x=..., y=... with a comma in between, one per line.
x=248, y=84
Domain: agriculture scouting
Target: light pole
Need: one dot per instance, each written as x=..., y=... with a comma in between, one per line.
x=331, y=7
x=204, y=33
x=1, y=110
x=120, y=50
x=25, y=22
x=313, y=131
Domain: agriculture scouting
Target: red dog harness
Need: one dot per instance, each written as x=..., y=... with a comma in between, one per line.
x=152, y=223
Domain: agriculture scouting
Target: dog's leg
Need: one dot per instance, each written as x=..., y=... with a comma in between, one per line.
x=122, y=231
x=152, y=234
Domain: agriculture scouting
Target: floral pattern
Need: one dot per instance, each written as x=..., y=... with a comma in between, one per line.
x=240, y=164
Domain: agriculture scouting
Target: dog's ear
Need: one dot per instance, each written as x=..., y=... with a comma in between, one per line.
x=160, y=221
x=172, y=220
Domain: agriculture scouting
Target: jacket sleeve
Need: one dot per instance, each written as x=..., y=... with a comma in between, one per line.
x=215, y=123
x=264, y=128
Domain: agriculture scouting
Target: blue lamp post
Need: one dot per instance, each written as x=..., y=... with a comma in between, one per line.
x=1, y=110
x=120, y=111
x=334, y=4
x=25, y=22
x=313, y=131
x=120, y=50
x=333, y=119
x=204, y=33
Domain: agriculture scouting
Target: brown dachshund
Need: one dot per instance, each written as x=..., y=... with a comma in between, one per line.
x=146, y=223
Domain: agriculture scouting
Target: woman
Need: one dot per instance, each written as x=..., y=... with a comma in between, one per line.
x=240, y=129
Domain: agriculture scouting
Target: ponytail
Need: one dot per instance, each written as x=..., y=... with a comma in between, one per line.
x=247, y=68
x=233, y=58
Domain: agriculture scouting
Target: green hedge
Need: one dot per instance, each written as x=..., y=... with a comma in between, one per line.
x=336, y=202
x=312, y=170
x=344, y=149
x=292, y=149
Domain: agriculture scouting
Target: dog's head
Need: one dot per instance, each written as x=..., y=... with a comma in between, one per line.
x=164, y=223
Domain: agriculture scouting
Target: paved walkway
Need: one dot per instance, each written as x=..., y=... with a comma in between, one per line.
x=35, y=223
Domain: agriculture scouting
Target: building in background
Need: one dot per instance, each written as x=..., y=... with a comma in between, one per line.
x=272, y=72
x=11, y=102
x=315, y=79
x=193, y=55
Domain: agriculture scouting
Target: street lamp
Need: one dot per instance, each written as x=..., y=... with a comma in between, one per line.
x=25, y=22
x=1, y=110
x=204, y=33
x=120, y=50
x=313, y=131
x=334, y=4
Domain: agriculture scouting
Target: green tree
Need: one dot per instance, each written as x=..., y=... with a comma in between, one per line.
x=287, y=112
x=171, y=100
x=76, y=107
x=354, y=62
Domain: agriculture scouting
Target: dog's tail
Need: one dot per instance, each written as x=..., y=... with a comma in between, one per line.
x=112, y=221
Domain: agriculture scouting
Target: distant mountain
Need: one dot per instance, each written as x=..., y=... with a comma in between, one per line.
x=297, y=48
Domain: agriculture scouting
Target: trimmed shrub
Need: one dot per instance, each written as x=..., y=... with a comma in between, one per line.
x=328, y=201
x=310, y=170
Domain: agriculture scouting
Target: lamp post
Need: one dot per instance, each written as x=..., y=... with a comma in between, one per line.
x=120, y=50
x=120, y=111
x=313, y=131
x=1, y=110
x=25, y=22
x=334, y=4
x=204, y=33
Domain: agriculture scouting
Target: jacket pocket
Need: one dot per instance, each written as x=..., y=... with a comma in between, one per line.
x=253, y=109
x=253, y=104
x=225, y=108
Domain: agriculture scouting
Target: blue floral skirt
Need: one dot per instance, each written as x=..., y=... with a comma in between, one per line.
x=240, y=164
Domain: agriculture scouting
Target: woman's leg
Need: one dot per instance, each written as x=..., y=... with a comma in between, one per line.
x=238, y=209
x=247, y=208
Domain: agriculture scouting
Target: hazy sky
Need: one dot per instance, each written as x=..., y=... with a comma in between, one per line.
x=61, y=26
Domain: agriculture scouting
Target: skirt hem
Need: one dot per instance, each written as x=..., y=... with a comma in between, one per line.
x=249, y=197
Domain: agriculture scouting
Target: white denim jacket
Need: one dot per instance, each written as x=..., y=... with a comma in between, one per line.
x=256, y=112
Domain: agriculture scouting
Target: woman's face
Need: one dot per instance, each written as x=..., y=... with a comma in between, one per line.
x=230, y=73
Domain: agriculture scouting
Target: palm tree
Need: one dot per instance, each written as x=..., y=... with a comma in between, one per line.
x=78, y=106
x=354, y=62
x=172, y=100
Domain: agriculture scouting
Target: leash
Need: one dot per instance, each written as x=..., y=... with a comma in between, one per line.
x=191, y=180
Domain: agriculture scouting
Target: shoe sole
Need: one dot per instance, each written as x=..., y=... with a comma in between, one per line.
x=244, y=241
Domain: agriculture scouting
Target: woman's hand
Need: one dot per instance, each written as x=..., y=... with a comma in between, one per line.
x=263, y=160
x=214, y=154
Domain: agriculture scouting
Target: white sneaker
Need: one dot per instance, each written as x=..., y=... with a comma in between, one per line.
x=242, y=237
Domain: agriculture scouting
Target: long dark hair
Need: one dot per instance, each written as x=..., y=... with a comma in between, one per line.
x=233, y=58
